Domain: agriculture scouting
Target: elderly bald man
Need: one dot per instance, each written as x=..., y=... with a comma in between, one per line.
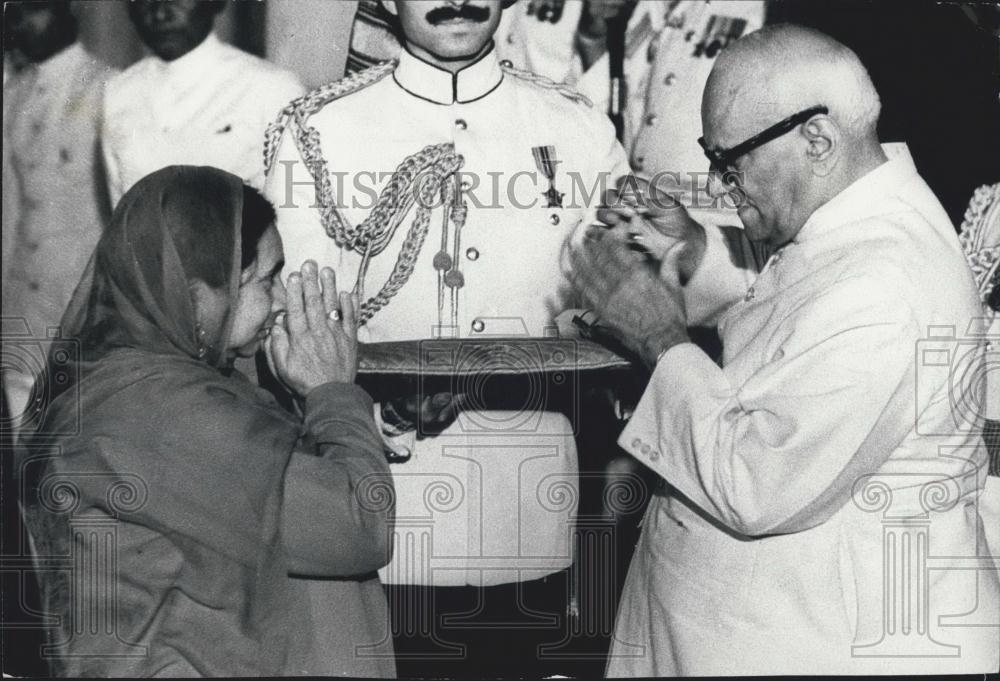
x=817, y=512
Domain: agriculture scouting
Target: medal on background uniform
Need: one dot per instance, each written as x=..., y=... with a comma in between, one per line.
x=546, y=10
x=546, y=162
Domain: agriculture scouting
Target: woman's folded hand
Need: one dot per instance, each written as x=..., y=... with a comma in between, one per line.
x=316, y=340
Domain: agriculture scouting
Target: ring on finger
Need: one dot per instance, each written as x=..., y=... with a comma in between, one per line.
x=334, y=315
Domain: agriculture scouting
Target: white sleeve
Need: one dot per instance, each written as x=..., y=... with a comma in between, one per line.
x=279, y=93
x=726, y=272
x=779, y=451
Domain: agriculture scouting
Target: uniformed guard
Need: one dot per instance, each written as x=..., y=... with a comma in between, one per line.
x=443, y=187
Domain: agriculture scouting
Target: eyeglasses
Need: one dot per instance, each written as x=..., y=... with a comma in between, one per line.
x=722, y=159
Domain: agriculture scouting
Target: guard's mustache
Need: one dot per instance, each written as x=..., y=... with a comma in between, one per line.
x=470, y=12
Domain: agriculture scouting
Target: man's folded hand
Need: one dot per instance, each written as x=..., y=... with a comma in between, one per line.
x=637, y=297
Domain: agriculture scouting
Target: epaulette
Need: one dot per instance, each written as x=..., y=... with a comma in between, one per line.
x=547, y=83
x=301, y=108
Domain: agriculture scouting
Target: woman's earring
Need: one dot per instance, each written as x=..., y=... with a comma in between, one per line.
x=202, y=347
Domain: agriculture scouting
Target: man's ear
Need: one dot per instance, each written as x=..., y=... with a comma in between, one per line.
x=823, y=136
x=390, y=7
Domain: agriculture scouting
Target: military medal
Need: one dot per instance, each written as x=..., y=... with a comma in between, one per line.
x=546, y=162
x=546, y=10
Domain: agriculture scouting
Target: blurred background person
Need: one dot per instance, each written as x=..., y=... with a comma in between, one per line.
x=54, y=196
x=194, y=100
x=669, y=49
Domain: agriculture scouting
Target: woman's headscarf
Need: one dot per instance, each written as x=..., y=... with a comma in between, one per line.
x=149, y=431
x=178, y=224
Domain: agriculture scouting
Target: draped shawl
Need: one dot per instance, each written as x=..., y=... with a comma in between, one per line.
x=155, y=480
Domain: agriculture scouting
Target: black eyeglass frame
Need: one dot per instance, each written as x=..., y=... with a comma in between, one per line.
x=722, y=160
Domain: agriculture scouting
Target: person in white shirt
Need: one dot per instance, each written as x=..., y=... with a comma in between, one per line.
x=194, y=101
x=486, y=507
x=55, y=203
x=817, y=513
x=670, y=46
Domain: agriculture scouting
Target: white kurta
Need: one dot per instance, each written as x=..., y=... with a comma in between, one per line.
x=492, y=499
x=670, y=48
x=209, y=107
x=823, y=462
x=55, y=203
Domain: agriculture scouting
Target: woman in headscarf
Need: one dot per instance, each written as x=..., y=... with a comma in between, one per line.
x=183, y=523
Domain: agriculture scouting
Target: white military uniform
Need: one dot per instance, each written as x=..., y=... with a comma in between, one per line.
x=670, y=47
x=821, y=464
x=209, y=107
x=492, y=499
x=55, y=202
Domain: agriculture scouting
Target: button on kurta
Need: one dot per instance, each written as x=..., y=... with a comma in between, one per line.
x=472, y=254
x=478, y=325
x=554, y=219
x=461, y=124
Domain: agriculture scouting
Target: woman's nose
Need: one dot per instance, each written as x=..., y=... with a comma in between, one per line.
x=278, y=297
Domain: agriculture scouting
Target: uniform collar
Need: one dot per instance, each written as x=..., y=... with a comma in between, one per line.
x=196, y=63
x=866, y=196
x=429, y=82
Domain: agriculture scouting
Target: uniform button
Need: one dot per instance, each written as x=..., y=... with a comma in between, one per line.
x=669, y=80
x=478, y=325
x=554, y=219
x=638, y=162
x=750, y=295
x=654, y=455
x=506, y=63
x=645, y=450
x=472, y=254
x=461, y=124
x=460, y=158
x=465, y=185
x=650, y=119
x=510, y=39
x=636, y=442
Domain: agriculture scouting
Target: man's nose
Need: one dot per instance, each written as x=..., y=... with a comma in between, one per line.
x=163, y=12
